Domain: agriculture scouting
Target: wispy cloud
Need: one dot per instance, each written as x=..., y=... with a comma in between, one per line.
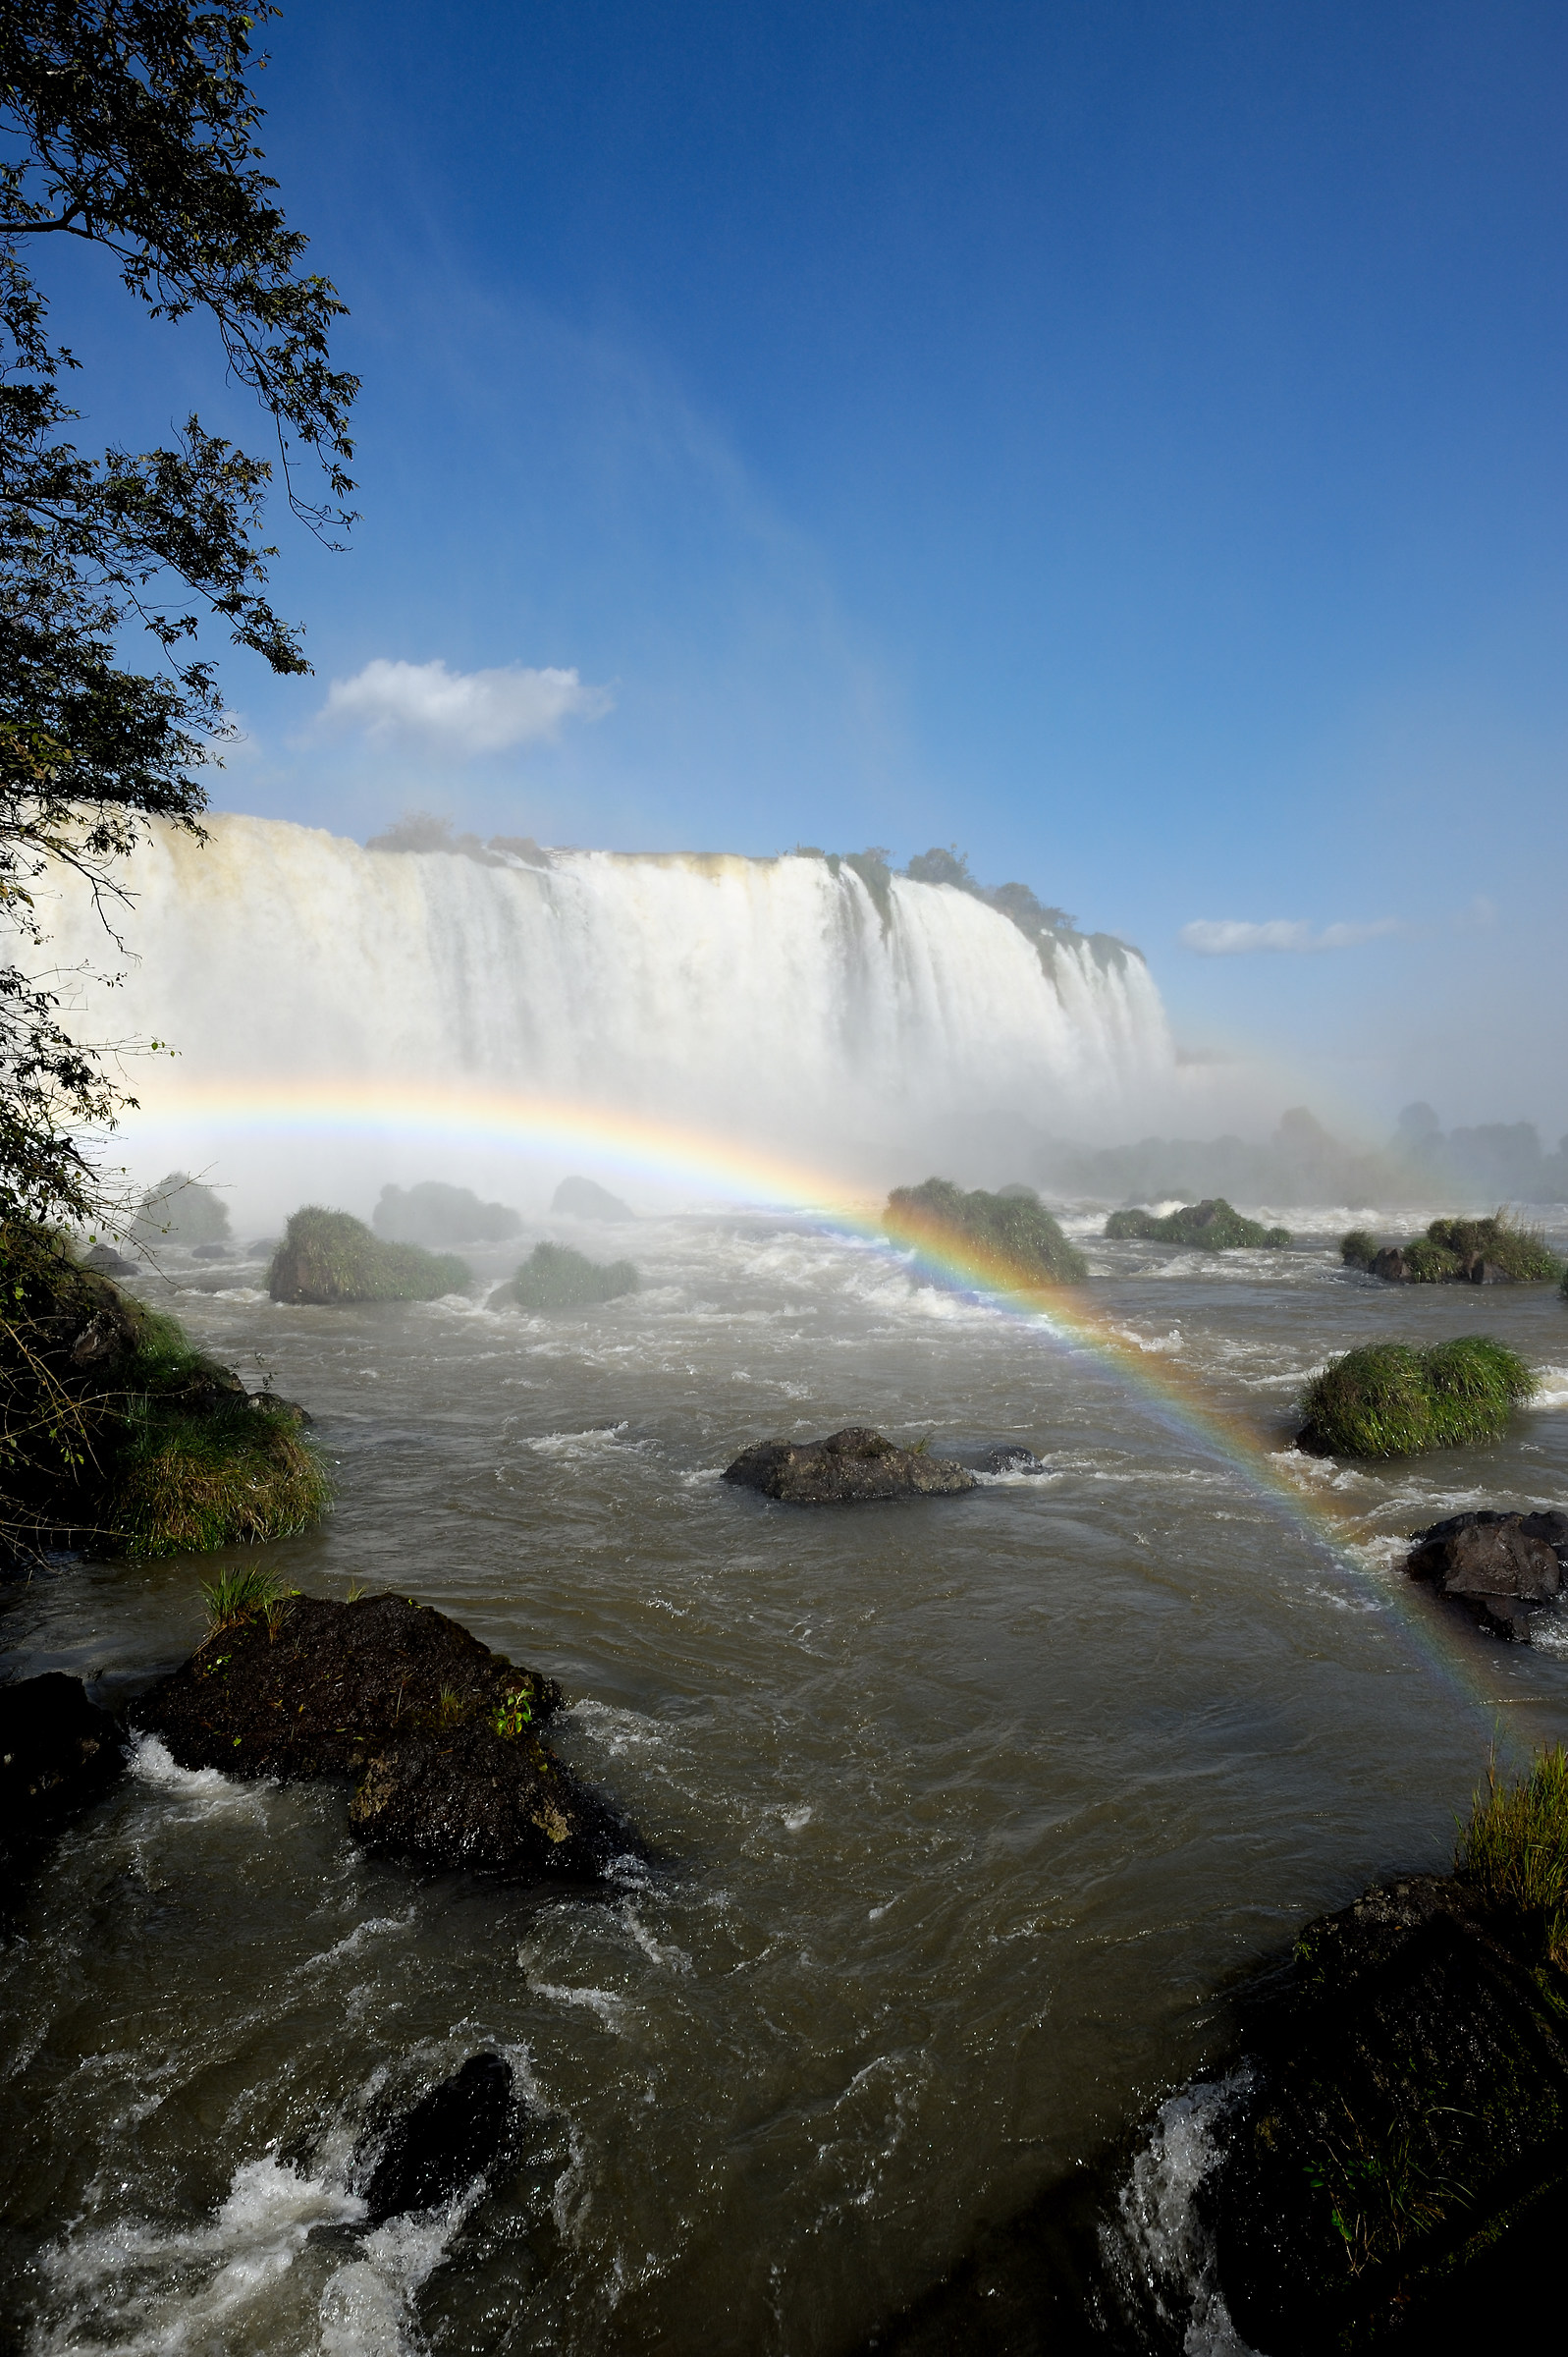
x=1234, y=937
x=462, y=712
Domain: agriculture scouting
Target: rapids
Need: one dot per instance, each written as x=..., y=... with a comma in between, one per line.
x=966, y=1811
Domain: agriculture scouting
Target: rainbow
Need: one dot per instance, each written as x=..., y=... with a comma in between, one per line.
x=669, y=1153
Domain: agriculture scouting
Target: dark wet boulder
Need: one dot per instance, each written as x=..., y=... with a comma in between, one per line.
x=59, y=1753
x=454, y=2134
x=1500, y=1567
x=440, y=1734
x=849, y=1467
x=105, y=1261
x=1012, y=1459
x=1399, y=2158
x=1389, y=1265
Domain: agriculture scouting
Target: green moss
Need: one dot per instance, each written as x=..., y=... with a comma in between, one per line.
x=1012, y=1230
x=1358, y=1249
x=1387, y=1400
x=329, y=1256
x=1515, y=1847
x=1213, y=1226
x=554, y=1277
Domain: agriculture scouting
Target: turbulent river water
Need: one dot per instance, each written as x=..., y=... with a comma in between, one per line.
x=966, y=1812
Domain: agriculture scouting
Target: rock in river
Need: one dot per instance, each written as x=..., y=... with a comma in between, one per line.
x=451, y=2136
x=440, y=1734
x=848, y=1468
x=58, y=1754
x=1501, y=1567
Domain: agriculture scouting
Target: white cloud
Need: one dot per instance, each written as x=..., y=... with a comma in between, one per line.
x=1234, y=937
x=462, y=712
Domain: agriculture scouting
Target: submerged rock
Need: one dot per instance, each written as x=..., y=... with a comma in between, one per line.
x=451, y=2136
x=1400, y=2160
x=439, y=1734
x=585, y=1199
x=1502, y=1567
x=59, y=1753
x=849, y=1467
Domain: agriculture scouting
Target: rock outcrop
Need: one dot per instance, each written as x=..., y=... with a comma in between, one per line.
x=1400, y=2161
x=440, y=1734
x=850, y=1467
x=1495, y=1250
x=1213, y=1226
x=555, y=1277
x=59, y=1753
x=587, y=1199
x=435, y=1215
x=328, y=1257
x=1501, y=1567
x=451, y=2136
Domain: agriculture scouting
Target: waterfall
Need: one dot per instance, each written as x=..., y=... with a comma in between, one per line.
x=780, y=999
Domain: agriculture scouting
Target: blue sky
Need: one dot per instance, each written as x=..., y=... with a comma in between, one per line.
x=1125, y=440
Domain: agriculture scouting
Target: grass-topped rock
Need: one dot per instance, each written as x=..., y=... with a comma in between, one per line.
x=1213, y=1226
x=117, y=1434
x=329, y=1256
x=439, y=1734
x=1495, y=1250
x=1009, y=1239
x=554, y=1277
x=1394, y=2171
x=1390, y=1400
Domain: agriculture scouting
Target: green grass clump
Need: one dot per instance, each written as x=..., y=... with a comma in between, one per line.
x=188, y=1482
x=329, y=1256
x=1387, y=1400
x=237, y=1594
x=1515, y=1847
x=554, y=1277
x=1520, y=1252
x=1358, y=1249
x=1213, y=1226
x=1011, y=1239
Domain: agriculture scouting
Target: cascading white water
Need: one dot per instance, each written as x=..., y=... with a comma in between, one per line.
x=770, y=1000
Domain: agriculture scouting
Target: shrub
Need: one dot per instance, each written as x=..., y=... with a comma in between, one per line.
x=1515, y=1847
x=1016, y=1230
x=329, y=1256
x=1358, y=1250
x=1213, y=1226
x=1387, y=1400
x=554, y=1277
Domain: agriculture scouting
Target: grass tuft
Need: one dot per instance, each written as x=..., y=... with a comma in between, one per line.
x=1387, y=1400
x=188, y=1482
x=1358, y=1250
x=1515, y=1847
x=238, y=1594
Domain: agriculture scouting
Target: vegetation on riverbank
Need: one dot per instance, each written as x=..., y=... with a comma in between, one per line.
x=1459, y=1251
x=117, y=1434
x=330, y=1256
x=1011, y=1239
x=555, y=1277
x=1388, y=1400
x=1213, y=1226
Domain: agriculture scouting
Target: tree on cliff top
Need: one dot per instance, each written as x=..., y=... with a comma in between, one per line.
x=130, y=124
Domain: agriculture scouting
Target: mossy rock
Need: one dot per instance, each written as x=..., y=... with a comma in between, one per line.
x=1213, y=1226
x=122, y=1437
x=1391, y=1399
x=329, y=1256
x=555, y=1277
x=1008, y=1241
x=440, y=1736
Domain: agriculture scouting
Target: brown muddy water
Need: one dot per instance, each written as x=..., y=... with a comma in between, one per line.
x=967, y=1812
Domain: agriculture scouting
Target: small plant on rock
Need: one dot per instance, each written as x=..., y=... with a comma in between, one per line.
x=1515, y=1847
x=241, y=1593
x=514, y=1713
